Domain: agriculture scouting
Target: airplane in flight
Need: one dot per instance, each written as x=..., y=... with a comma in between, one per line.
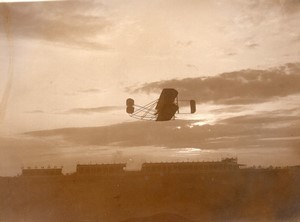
x=162, y=109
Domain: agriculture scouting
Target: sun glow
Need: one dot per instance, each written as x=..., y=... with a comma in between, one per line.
x=193, y=150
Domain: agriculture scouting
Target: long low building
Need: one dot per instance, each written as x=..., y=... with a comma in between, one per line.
x=225, y=164
x=92, y=169
x=42, y=172
x=119, y=168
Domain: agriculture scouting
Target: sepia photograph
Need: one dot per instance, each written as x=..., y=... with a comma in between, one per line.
x=149, y=110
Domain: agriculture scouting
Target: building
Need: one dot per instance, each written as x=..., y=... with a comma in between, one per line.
x=100, y=169
x=188, y=167
x=42, y=172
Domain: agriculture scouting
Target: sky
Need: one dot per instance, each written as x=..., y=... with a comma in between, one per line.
x=67, y=68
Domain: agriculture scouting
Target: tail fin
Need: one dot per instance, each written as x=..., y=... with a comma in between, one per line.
x=193, y=106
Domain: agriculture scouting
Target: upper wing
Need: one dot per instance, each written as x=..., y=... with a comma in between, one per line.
x=166, y=106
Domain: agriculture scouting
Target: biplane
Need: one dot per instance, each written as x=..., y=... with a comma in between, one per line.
x=162, y=109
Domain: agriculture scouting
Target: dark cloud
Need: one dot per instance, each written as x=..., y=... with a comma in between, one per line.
x=102, y=109
x=265, y=131
x=261, y=119
x=239, y=87
x=296, y=38
x=71, y=23
x=288, y=6
x=127, y=134
x=90, y=91
x=252, y=45
x=291, y=6
x=192, y=66
x=35, y=112
x=231, y=54
x=184, y=43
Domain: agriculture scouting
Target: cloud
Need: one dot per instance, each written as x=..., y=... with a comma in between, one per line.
x=70, y=23
x=90, y=91
x=251, y=137
x=125, y=134
x=229, y=109
x=291, y=6
x=35, y=112
x=239, y=87
x=15, y=152
x=231, y=54
x=264, y=121
x=85, y=111
x=20, y=151
x=192, y=66
x=184, y=43
x=251, y=45
x=265, y=130
x=102, y=109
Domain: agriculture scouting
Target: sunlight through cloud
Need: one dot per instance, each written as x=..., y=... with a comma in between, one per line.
x=193, y=150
